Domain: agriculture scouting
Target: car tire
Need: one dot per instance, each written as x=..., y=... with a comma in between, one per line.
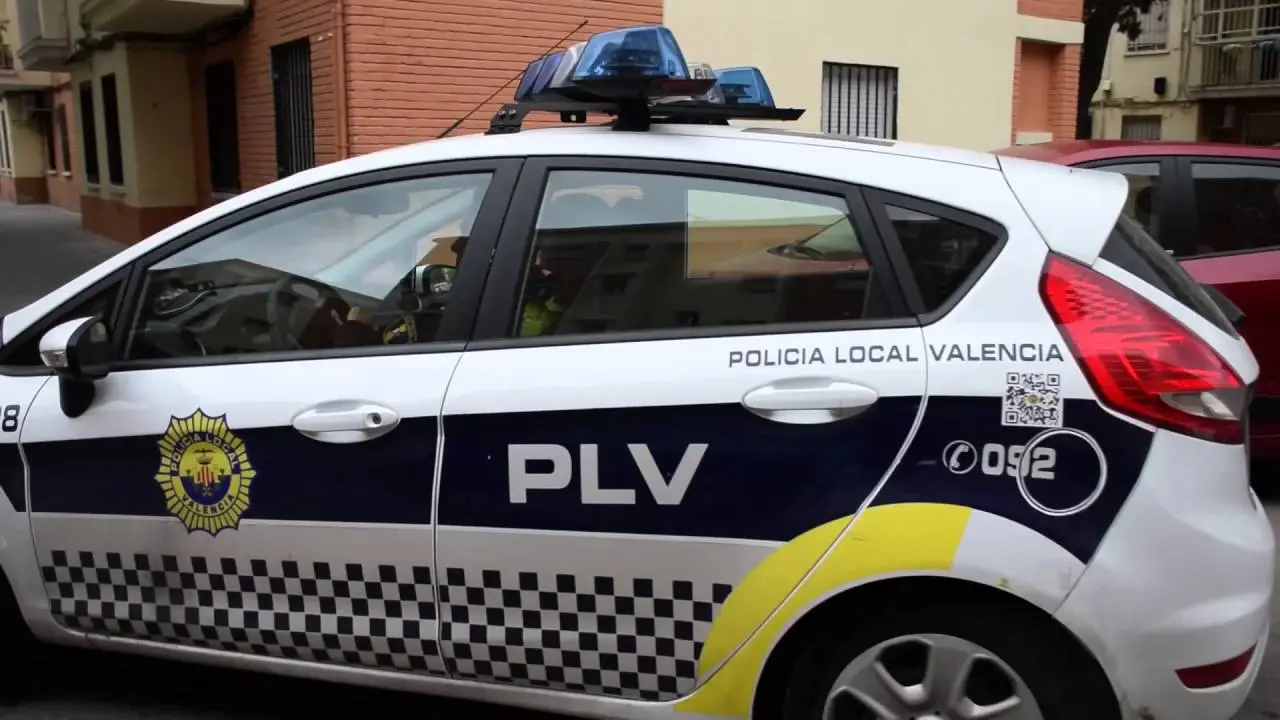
x=18, y=652
x=1059, y=674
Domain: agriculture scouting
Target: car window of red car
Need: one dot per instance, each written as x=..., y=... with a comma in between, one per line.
x=1144, y=184
x=1237, y=206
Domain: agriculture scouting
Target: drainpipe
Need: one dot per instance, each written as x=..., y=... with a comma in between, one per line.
x=340, y=77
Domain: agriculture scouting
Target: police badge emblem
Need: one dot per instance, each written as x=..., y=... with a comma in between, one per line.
x=205, y=473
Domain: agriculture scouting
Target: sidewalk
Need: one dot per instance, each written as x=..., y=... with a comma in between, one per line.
x=41, y=247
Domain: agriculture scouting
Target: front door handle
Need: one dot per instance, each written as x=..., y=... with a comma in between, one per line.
x=346, y=421
x=809, y=401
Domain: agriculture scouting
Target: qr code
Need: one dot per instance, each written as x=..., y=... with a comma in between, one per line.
x=1033, y=400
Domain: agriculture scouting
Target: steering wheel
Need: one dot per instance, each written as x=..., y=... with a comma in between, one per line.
x=283, y=301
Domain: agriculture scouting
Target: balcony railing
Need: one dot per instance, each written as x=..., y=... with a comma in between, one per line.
x=1236, y=46
x=6, y=59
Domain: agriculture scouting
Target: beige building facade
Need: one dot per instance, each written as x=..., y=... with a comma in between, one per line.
x=977, y=74
x=37, y=163
x=1201, y=70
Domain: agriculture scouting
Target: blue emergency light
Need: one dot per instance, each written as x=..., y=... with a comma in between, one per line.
x=637, y=74
x=643, y=52
x=744, y=86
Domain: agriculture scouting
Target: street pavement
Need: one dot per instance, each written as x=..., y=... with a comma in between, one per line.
x=42, y=247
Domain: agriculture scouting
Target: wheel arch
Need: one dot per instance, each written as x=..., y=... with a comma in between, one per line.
x=834, y=611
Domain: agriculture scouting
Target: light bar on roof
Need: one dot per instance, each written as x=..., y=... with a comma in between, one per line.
x=744, y=86
x=640, y=61
x=642, y=52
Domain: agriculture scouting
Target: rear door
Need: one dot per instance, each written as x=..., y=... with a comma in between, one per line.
x=1234, y=208
x=678, y=367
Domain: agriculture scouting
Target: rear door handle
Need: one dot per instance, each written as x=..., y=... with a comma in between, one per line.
x=809, y=401
x=346, y=421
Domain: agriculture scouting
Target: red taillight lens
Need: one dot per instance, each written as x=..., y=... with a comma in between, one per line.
x=1220, y=673
x=1141, y=361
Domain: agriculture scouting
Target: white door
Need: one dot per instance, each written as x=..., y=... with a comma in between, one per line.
x=704, y=363
x=256, y=474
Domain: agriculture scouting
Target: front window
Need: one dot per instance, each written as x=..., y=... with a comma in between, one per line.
x=337, y=271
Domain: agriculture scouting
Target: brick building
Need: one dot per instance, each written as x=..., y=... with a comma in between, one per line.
x=178, y=103
x=1046, y=70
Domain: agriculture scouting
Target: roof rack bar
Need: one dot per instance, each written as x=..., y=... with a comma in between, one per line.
x=636, y=115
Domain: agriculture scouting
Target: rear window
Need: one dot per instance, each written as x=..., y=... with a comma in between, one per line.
x=1133, y=249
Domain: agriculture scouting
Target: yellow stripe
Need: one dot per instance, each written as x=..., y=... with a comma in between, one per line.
x=764, y=589
x=885, y=539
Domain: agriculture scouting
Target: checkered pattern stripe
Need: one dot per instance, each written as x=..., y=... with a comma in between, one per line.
x=627, y=637
x=376, y=616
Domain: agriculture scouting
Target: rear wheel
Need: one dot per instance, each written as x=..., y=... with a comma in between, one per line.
x=961, y=662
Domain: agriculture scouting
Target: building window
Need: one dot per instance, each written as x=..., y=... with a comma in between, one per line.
x=860, y=100
x=1153, y=35
x=220, y=121
x=6, y=157
x=46, y=126
x=1140, y=127
x=89, y=133
x=64, y=137
x=111, y=116
x=295, y=118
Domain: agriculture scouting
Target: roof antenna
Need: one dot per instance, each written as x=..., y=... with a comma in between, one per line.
x=515, y=77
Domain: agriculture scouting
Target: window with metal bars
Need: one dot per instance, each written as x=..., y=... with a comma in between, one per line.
x=221, y=127
x=1153, y=35
x=295, y=115
x=860, y=100
x=89, y=131
x=1140, y=127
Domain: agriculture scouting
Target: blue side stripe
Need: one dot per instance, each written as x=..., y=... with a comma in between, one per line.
x=13, y=477
x=923, y=477
x=388, y=480
x=759, y=479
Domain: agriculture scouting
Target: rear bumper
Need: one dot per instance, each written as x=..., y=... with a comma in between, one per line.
x=1184, y=579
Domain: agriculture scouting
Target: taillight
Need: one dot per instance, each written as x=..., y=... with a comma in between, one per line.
x=1140, y=361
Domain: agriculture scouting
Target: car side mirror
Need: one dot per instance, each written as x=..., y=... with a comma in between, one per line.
x=433, y=282
x=78, y=348
x=79, y=352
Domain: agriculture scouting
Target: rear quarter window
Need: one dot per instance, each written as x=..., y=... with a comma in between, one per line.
x=943, y=254
x=1131, y=248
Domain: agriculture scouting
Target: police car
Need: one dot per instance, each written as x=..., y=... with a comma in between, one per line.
x=650, y=417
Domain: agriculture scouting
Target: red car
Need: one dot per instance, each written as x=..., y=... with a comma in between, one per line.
x=1217, y=209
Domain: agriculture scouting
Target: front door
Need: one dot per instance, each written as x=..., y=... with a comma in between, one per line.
x=691, y=365
x=256, y=475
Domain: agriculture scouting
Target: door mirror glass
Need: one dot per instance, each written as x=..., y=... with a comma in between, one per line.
x=432, y=283
x=79, y=349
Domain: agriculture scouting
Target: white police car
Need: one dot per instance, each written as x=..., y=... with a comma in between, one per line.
x=663, y=419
